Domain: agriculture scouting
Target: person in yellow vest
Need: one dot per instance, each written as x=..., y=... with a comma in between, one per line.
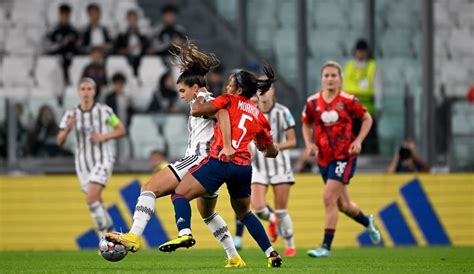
x=157, y=160
x=363, y=78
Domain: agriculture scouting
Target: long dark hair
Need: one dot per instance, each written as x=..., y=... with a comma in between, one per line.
x=193, y=63
x=251, y=84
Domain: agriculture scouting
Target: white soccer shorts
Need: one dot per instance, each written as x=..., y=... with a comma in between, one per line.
x=263, y=179
x=100, y=174
x=182, y=166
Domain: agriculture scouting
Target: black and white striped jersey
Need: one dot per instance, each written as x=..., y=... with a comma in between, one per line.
x=280, y=120
x=88, y=154
x=201, y=132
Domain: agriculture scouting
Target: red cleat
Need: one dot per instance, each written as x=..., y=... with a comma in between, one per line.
x=273, y=230
x=290, y=252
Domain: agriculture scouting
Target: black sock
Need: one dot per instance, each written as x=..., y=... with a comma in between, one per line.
x=328, y=236
x=362, y=219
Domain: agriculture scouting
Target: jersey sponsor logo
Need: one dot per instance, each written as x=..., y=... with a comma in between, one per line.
x=329, y=117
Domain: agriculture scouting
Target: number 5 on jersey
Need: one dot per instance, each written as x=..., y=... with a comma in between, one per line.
x=235, y=144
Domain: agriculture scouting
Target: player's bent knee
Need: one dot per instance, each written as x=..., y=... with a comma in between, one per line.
x=242, y=215
x=329, y=201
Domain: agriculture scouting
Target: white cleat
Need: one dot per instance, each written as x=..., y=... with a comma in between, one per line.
x=374, y=233
x=237, y=242
x=319, y=252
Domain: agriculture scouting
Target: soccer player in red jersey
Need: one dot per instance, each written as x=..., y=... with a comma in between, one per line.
x=194, y=65
x=229, y=160
x=327, y=131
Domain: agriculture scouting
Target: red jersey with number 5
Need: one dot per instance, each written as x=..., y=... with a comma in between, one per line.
x=332, y=124
x=247, y=123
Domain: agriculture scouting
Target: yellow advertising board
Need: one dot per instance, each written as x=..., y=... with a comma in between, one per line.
x=50, y=213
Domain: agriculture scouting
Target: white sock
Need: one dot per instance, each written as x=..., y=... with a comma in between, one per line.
x=143, y=210
x=183, y=232
x=219, y=229
x=285, y=227
x=101, y=217
x=269, y=251
x=266, y=214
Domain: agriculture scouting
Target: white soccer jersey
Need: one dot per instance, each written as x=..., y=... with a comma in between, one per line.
x=280, y=120
x=88, y=154
x=201, y=132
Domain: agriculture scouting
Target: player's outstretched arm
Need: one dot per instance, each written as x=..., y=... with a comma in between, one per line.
x=201, y=107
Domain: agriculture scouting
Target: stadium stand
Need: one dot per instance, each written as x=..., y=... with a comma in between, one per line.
x=142, y=143
x=332, y=28
x=151, y=69
x=48, y=77
x=17, y=71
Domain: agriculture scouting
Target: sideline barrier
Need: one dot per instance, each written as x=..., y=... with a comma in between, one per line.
x=49, y=212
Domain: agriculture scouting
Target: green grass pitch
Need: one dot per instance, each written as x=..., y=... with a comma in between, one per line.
x=356, y=260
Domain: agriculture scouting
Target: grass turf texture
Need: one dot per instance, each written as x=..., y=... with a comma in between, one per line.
x=358, y=260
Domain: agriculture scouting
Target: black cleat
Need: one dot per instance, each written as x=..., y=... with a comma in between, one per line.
x=183, y=241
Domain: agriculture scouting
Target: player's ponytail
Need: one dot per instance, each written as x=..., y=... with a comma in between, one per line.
x=263, y=85
x=250, y=84
x=194, y=64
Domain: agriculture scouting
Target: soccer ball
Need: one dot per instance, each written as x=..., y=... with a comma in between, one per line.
x=111, y=251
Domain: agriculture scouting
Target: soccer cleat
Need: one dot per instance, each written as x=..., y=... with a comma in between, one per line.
x=129, y=240
x=273, y=230
x=374, y=233
x=235, y=262
x=237, y=242
x=183, y=241
x=319, y=252
x=290, y=252
x=274, y=260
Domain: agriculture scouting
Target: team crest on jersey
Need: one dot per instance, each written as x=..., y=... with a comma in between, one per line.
x=340, y=106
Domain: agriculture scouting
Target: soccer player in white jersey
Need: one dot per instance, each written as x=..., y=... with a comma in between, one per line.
x=194, y=65
x=94, y=125
x=276, y=172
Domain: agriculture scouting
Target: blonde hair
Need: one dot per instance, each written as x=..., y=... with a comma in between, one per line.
x=88, y=80
x=333, y=64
